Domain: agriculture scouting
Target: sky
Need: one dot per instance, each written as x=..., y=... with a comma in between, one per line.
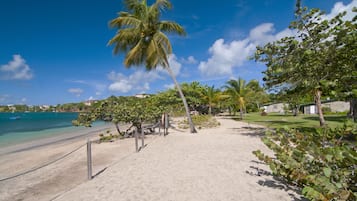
x=55, y=51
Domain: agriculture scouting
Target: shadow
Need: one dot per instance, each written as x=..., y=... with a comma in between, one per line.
x=337, y=118
x=257, y=162
x=280, y=122
x=250, y=131
x=100, y=172
x=275, y=182
x=142, y=147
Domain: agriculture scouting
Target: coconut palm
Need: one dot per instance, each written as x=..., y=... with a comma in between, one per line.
x=141, y=36
x=211, y=96
x=237, y=90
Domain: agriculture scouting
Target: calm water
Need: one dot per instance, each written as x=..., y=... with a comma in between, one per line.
x=20, y=127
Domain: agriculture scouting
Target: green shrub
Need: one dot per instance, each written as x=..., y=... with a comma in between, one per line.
x=323, y=162
x=326, y=110
x=201, y=121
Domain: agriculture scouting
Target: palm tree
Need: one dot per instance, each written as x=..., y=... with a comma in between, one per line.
x=237, y=90
x=141, y=36
x=212, y=96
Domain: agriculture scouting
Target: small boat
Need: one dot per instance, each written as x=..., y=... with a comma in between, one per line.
x=14, y=118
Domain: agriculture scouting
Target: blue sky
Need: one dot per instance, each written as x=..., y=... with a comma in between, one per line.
x=55, y=51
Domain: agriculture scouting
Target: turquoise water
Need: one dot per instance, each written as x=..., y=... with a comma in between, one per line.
x=21, y=127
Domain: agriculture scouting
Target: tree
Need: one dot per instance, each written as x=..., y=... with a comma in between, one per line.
x=256, y=96
x=118, y=110
x=193, y=93
x=211, y=96
x=308, y=62
x=237, y=90
x=141, y=36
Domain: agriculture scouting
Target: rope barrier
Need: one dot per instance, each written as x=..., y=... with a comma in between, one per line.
x=46, y=164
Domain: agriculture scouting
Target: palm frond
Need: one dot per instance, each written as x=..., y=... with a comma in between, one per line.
x=136, y=55
x=125, y=21
x=125, y=39
x=171, y=27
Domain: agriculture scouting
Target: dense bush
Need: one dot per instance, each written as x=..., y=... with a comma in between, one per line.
x=201, y=121
x=323, y=162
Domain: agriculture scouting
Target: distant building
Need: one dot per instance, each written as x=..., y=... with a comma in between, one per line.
x=141, y=95
x=89, y=102
x=277, y=107
x=44, y=107
x=334, y=106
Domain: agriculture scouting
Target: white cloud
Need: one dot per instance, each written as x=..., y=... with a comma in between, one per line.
x=139, y=81
x=75, y=91
x=189, y=60
x=17, y=69
x=340, y=7
x=225, y=56
x=175, y=65
x=23, y=100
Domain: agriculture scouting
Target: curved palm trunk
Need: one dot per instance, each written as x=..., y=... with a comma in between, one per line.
x=192, y=127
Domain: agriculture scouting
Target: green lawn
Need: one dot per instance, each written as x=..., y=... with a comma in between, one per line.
x=275, y=120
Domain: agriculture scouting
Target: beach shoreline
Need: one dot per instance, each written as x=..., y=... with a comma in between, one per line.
x=214, y=164
x=62, y=136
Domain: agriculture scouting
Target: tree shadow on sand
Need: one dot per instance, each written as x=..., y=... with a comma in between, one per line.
x=275, y=182
x=250, y=131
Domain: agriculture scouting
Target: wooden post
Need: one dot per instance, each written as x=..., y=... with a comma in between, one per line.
x=136, y=140
x=89, y=159
x=166, y=123
x=142, y=136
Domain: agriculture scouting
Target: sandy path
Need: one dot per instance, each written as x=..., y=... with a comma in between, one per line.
x=216, y=164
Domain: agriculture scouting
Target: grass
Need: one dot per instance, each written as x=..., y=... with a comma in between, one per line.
x=305, y=122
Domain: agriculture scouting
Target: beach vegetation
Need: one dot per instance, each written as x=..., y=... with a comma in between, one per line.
x=319, y=59
x=237, y=92
x=141, y=36
x=201, y=121
x=317, y=153
x=323, y=161
x=118, y=110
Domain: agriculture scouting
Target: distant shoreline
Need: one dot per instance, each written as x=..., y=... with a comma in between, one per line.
x=49, y=140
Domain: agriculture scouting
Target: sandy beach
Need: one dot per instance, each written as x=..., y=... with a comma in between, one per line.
x=215, y=164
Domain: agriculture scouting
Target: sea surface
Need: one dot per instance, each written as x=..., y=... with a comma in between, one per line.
x=16, y=128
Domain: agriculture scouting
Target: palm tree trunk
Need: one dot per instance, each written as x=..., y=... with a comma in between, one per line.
x=209, y=109
x=241, y=112
x=319, y=107
x=192, y=127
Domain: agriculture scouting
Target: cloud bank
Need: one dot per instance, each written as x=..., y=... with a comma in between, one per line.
x=140, y=80
x=227, y=55
x=76, y=91
x=16, y=69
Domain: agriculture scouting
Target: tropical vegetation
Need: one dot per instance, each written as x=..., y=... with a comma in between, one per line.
x=141, y=35
x=321, y=59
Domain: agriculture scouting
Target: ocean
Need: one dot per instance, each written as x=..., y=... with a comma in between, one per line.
x=16, y=128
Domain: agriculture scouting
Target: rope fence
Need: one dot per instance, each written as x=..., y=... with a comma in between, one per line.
x=44, y=165
x=163, y=123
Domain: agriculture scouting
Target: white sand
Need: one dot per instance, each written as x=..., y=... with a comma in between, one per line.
x=215, y=164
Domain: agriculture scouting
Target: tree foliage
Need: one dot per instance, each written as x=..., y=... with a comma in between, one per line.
x=132, y=110
x=322, y=162
x=315, y=59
